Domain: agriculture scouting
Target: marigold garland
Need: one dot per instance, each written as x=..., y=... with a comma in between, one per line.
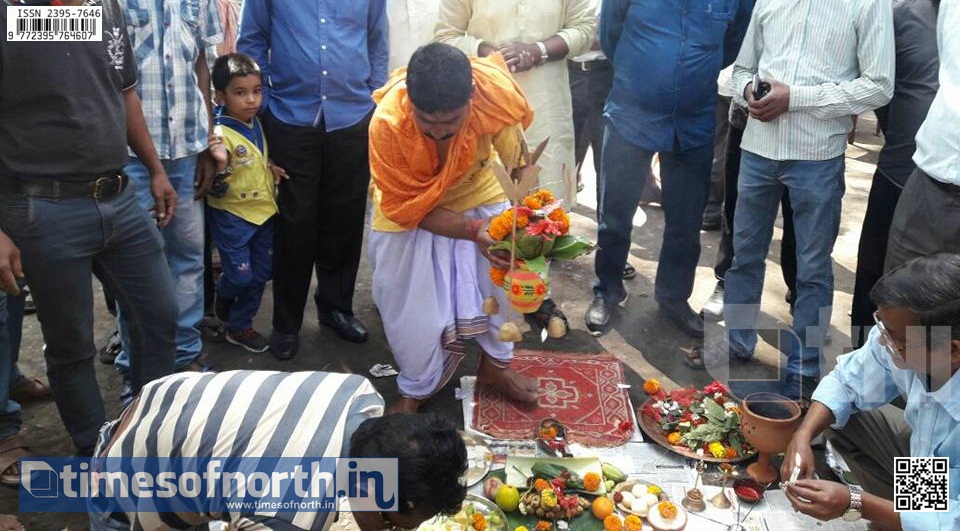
x=497, y=276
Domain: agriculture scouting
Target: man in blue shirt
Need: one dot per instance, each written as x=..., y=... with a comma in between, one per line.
x=321, y=60
x=899, y=359
x=666, y=58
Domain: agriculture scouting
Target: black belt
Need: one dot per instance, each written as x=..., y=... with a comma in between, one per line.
x=587, y=66
x=951, y=189
x=100, y=187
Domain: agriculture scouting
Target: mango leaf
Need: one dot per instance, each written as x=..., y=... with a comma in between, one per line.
x=568, y=247
x=504, y=245
x=538, y=265
x=704, y=433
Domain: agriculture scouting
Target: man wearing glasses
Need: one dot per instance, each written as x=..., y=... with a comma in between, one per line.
x=912, y=352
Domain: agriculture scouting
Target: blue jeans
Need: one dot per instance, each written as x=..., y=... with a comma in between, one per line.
x=816, y=189
x=9, y=410
x=685, y=179
x=246, y=253
x=62, y=242
x=183, y=247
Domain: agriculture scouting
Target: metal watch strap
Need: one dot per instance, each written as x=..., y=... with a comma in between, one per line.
x=544, y=56
x=856, y=498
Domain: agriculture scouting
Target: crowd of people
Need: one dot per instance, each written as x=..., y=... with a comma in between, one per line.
x=263, y=129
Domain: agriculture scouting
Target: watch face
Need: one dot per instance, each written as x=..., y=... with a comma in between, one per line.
x=851, y=515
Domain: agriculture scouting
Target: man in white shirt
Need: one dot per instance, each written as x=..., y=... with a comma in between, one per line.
x=411, y=25
x=926, y=219
x=822, y=61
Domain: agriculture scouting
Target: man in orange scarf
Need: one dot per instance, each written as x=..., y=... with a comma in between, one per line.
x=439, y=126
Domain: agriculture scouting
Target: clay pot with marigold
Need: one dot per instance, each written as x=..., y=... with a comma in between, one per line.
x=534, y=232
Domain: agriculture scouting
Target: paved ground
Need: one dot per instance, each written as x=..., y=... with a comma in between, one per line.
x=648, y=344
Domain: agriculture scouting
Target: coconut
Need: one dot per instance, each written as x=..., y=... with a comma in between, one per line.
x=650, y=499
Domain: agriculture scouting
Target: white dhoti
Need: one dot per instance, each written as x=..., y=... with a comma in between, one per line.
x=429, y=290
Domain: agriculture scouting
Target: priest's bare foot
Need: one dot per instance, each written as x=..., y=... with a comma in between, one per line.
x=404, y=405
x=515, y=386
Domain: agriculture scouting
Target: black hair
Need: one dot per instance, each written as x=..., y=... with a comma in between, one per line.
x=928, y=286
x=230, y=66
x=439, y=78
x=431, y=458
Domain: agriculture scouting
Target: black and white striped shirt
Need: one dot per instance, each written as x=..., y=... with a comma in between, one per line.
x=245, y=414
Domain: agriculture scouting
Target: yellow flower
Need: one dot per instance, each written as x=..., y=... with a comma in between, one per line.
x=667, y=510
x=548, y=498
x=717, y=450
x=532, y=202
x=545, y=197
x=674, y=438
x=591, y=481
x=655, y=490
x=632, y=523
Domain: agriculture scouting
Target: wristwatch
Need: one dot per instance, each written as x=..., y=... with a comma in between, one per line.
x=544, y=56
x=855, y=510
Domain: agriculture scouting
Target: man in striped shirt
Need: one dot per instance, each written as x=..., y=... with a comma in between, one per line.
x=265, y=415
x=823, y=61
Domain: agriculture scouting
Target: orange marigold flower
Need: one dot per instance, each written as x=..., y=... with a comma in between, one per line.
x=667, y=510
x=545, y=197
x=497, y=275
x=674, y=438
x=612, y=523
x=632, y=523
x=548, y=432
x=731, y=452
x=499, y=228
x=522, y=221
x=532, y=202
x=562, y=218
x=544, y=525
x=591, y=481
x=541, y=484
x=651, y=386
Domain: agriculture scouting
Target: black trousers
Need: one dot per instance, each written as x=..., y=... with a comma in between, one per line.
x=788, y=246
x=881, y=205
x=589, y=90
x=321, y=217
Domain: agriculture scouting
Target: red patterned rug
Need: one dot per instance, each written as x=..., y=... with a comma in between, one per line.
x=580, y=390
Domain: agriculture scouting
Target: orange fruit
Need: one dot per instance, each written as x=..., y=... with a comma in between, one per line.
x=602, y=507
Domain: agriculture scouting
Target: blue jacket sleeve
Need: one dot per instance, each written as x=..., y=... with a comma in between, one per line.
x=612, y=15
x=254, y=39
x=736, y=31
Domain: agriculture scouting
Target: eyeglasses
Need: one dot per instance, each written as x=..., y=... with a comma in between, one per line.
x=890, y=344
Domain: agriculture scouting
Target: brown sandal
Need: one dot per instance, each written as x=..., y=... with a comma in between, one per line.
x=11, y=450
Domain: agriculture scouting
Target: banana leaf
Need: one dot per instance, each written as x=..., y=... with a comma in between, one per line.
x=584, y=522
x=568, y=247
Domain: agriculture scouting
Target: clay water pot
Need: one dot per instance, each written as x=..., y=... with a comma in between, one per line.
x=768, y=422
x=525, y=290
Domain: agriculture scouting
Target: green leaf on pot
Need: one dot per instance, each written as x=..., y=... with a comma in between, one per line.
x=568, y=247
x=538, y=265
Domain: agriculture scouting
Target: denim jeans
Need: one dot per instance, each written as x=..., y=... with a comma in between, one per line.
x=246, y=252
x=816, y=189
x=9, y=410
x=62, y=242
x=685, y=180
x=183, y=247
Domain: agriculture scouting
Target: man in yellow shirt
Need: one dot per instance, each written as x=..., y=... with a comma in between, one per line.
x=439, y=126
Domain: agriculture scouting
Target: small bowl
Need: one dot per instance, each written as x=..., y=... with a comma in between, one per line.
x=748, y=490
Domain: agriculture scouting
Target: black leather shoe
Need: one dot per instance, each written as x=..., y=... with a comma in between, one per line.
x=284, y=346
x=600, y=312
x=710, y=224
x=348, y=327
x=680, y=313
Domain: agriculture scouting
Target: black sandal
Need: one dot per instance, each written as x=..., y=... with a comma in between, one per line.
x=693, y=358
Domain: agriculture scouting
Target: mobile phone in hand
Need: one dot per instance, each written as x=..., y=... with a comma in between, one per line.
x=760, y=88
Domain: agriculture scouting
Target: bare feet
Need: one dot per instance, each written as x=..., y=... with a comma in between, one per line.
x=404, y=405
x=515, y=386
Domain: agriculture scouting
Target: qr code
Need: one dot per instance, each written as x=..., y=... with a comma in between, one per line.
x=921, y=484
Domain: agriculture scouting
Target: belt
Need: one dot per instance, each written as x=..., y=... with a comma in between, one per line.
x=587, y=66
x=951, y=189
x=103, y=186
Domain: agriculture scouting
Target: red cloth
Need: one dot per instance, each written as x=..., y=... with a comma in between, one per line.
x=580, y=390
